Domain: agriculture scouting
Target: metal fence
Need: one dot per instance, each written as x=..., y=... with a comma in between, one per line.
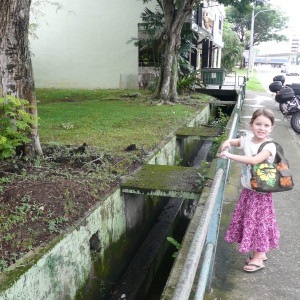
x=232, y=79
x=206, y=234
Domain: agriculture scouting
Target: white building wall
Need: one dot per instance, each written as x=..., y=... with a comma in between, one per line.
x=84, y=44
x=219, y=15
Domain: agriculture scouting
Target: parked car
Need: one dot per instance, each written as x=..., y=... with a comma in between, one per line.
x=293, y=70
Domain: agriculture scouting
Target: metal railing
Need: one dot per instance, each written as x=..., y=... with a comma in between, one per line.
x=208, y=226
x=232, y=79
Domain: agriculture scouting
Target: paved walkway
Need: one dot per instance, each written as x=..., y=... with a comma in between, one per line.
x=281, y=277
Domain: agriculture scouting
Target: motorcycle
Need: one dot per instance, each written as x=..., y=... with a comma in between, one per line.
x=290, y=107
x=289, y=104
x=288, y=97
x=295, y=121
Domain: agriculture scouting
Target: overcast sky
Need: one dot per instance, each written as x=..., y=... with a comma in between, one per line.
x=292, y=10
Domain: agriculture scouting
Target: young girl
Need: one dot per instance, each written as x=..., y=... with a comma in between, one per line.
x=253, y=223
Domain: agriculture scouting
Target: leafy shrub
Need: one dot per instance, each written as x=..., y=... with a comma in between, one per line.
x=220, y=122
x=14, y=124
x=216, y=144
x=175, y=244
x=187, y=82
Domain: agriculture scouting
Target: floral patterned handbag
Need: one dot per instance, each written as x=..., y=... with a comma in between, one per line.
x=272, y=177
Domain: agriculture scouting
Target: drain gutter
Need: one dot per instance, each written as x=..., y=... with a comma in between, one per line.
x=185, y=282
x=212, y=236
x=208, y=227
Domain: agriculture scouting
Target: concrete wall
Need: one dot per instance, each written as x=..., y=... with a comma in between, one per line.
x=66, y=267
x=166, y=155
x=62, y=269
x=84, y=44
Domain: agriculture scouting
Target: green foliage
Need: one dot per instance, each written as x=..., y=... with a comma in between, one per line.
x=175, y=244
x=14, y=220
x=178, y=159
x=143, y=123
x=240, y=5
x=188, y=82
x=216, y=144
x=204, y=166
x=15, y=124
x=3, y=265
x=221, y=122
x=150, y=44
x=201, y=180
x=52, y=224
x=267, y=26
x=253, y=84
x=233, y=48
x=188, y=42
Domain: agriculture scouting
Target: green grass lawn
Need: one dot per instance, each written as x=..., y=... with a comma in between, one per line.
x=106, y=119
x=253, y=84
x=47, y=194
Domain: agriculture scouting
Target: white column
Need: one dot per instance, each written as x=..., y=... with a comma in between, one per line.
x=198, y=58
x=219, y=57
x=215, y=58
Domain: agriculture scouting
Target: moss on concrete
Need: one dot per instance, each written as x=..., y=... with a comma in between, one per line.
x=14, y=272
x=202, y=131
x=103, y=276
x=211, y=170
x=165, y=178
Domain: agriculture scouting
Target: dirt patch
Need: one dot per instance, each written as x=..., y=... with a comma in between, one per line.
x=41, y=198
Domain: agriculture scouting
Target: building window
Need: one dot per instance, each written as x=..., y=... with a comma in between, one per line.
x=198, y=15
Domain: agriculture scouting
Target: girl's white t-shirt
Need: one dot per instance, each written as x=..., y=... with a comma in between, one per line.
x=250, y=149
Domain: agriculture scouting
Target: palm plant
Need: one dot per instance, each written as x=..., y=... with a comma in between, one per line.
x=150, y=45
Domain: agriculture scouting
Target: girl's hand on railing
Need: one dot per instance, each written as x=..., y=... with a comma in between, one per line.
x=226, y=146
x=223, y=154
x=225, y=150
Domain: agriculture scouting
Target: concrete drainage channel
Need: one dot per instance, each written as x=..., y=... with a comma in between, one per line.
x=140, y=280
x=119, y=250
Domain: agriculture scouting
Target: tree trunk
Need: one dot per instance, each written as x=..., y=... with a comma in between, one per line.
x=174, y=20
x=174, y=79
x=167, y=73
x=15, y=62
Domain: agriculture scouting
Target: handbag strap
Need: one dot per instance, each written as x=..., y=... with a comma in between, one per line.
x=279, y=153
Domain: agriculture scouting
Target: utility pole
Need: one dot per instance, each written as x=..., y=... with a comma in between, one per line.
x=251, y=44
x=251, y=39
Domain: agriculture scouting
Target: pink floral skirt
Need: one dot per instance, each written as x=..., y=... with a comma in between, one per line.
x=253, y=224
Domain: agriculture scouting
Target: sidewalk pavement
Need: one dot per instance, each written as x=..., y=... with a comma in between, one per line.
x=281, y=277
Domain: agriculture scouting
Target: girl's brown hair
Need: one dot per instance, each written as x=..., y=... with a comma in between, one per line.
x=263, y=112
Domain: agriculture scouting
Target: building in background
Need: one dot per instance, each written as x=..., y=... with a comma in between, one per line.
x=85, y=43
x=294, y=41
x=207, y=21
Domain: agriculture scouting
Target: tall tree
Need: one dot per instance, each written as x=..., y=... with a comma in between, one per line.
x=175, y=13
x=15, y=62
x=150, y=44
x=267, y=25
